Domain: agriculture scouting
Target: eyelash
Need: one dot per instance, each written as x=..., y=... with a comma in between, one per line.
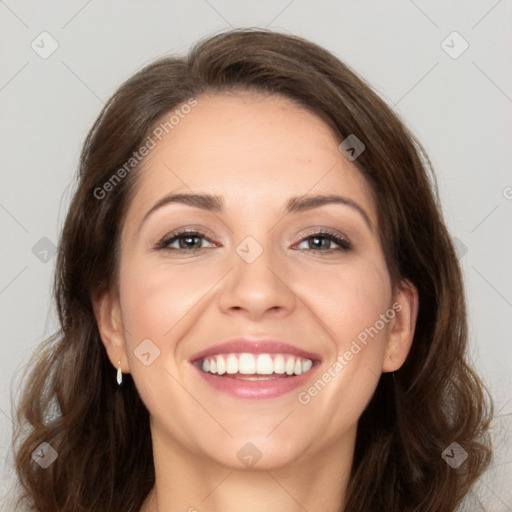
x=343, y=243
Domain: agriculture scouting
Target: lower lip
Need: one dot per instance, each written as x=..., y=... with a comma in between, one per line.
x=257, y=389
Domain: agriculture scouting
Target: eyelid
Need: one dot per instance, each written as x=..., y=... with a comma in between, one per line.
x=314, y=230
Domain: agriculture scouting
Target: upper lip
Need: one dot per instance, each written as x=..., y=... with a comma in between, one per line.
x=254, y=346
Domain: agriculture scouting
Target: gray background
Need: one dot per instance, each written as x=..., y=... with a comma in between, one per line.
x=460, y=109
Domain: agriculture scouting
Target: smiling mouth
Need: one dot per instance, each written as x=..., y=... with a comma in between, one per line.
x=254, y=367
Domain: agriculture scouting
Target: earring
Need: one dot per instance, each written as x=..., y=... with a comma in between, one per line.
x=119, y=374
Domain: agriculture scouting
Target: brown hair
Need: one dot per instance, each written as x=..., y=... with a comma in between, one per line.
x=101, y=431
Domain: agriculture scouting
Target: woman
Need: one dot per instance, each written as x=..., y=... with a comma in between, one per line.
x=261, y=307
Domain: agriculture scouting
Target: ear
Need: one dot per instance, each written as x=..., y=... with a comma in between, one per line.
x=401, y=332
x=107, y=311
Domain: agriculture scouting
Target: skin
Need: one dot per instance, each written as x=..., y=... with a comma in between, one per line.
x=256, y=152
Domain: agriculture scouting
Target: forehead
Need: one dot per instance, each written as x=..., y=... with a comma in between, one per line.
x=251, y=149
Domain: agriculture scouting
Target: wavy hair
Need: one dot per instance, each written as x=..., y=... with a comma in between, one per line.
x=100, y=431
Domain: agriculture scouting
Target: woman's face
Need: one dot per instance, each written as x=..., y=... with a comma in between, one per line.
x=254, y=269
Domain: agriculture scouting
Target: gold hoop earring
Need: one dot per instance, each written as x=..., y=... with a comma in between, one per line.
x=119, y=375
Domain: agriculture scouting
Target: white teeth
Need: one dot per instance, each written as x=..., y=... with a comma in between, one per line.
x=252, y=364
x=246, y=364
x=232, y=364
x=290, y=366
x=306, y=365
x=279, y=364
x=264, y=365
x=221, y=365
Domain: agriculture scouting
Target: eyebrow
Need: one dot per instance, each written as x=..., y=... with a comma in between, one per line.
x=215, y=203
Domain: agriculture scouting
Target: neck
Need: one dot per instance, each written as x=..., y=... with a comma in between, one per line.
x=186, y=481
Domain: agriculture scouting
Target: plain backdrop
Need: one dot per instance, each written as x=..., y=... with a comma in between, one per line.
x=61, y=60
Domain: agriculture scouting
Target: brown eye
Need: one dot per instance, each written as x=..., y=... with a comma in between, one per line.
x=187, y=241
x=324, y=239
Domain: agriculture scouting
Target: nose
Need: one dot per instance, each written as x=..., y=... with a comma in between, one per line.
x=257, y=283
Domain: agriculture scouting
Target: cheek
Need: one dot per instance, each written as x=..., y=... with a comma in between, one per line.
x=352, y=304
x=161, y=301
x=349, y=298
x=157, y=295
